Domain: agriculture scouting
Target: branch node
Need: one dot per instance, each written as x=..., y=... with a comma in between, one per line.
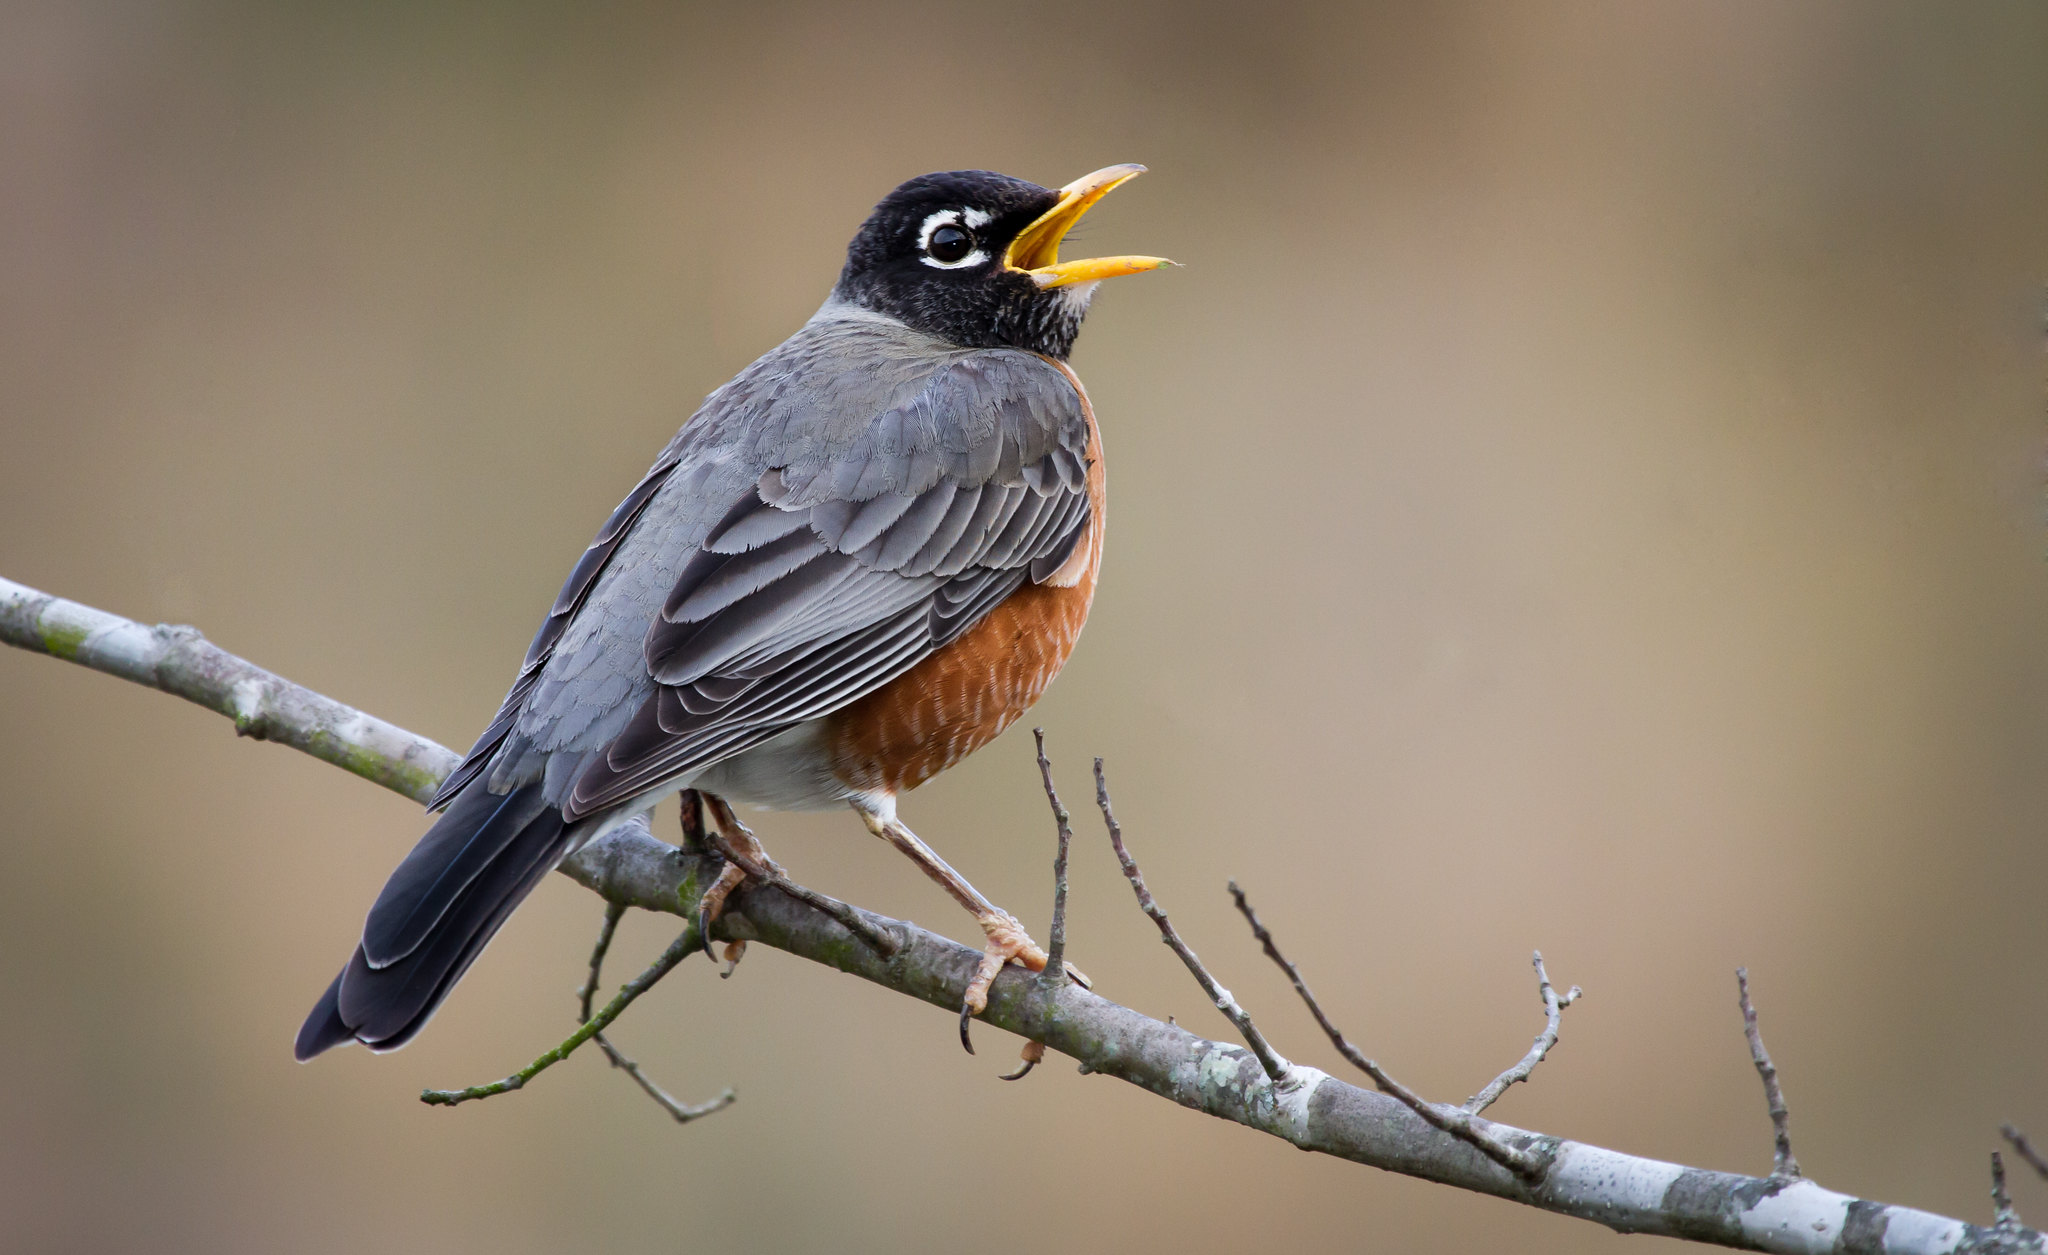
x=1783, y=1165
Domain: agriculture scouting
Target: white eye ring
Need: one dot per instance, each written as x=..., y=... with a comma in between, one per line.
x=950, y=218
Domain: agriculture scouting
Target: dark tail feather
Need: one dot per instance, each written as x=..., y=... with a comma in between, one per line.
x=436, y=914
x=461, y=847
x=323, y=1030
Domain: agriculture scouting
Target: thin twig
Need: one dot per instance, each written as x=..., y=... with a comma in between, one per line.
x=1269, y=1058
x=682, y=1112
x=677, y=951
x=1553, y=1014
x=1056, y=941
x=1456, y=1121
x=1783, y=1165
x=2025, y=1149
x=2003, y=1217
x=613, y=913
x=1055, y=974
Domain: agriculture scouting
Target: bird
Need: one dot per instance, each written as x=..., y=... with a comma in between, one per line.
x=855, y=564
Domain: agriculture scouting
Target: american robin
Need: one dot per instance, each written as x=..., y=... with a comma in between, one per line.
x=857, y=563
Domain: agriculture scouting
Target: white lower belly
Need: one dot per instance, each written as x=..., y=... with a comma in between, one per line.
x=788, y=773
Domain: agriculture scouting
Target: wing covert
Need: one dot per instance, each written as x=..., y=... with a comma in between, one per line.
x=851, y=560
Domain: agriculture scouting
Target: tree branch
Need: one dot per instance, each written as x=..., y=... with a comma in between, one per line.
x=1315, y=1111
x=180, y=661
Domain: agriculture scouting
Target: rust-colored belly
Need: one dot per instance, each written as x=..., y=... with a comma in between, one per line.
x=966, y=694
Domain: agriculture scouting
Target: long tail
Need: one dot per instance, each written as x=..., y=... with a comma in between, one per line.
x=436, y=914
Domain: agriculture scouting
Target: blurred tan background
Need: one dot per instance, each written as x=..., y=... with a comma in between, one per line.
x=1582, y=492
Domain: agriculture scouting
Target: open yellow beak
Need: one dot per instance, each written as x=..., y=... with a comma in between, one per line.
x=1036, y=250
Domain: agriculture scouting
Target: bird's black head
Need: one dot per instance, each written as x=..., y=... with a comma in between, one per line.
x=973, y=258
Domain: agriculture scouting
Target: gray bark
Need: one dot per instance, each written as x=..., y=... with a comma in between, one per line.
x=1304, y=1106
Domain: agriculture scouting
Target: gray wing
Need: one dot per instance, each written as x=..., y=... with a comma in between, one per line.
x=839, y=573
x=575, y=591
x=861, y=544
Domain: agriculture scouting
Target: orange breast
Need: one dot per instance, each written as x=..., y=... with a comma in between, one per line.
x=966, y=694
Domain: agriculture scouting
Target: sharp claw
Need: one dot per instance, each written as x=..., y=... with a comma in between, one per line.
x=1077, y=976
x=1033, y=1052
x=1007, y=943
x=704, y=933
x=734, y=952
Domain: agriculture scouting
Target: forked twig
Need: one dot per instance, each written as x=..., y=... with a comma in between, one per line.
x=1783, y=1164
x=1553, y=1015
x=682, y=1112
x=677, y=951
x=1276, y=1067
x=1456, y=1121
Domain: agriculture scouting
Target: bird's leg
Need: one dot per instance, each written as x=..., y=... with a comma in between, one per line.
x=696, y=837
x=1007, y=940
x=692, y=815
x=744, y=857
x=745, y=844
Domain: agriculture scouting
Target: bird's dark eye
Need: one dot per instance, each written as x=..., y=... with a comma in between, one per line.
x=950, y=244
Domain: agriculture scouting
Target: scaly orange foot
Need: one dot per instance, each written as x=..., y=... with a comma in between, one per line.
x=1007, y=943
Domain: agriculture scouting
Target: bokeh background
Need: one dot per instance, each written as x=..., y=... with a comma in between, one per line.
x=1583, y=491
